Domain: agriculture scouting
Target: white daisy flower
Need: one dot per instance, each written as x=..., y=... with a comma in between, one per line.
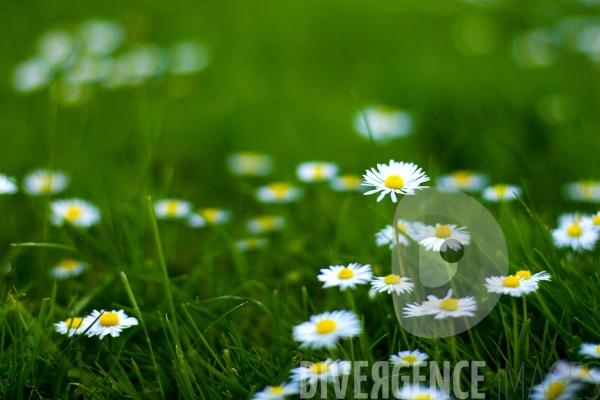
x=8, y=185
x=208, y=216
x=75, y=212
x=592, y=221
x=250, y=164
x=420, y=392
x=576, y=372
x=67, y=268
x=537, y=277
x=31, y=75
x=277, y=392
x=324, y=330
x=324, y=370
x=395, y=178
x=316, y=171
x=588, y=191
x=442, y=308
x=56, y=47
x=409, y=358
x=251, y=243
x=573, y=232
x=347, y=183
x=434, y=237
x=406, y=229
x=278, y=192
x=265, y=223
x=100, y=37
x=501, y=192
x=43, y=182
x=72, y=326
x=555, y=387
x=590, y=350
x=345, y=277
x=172, y=209
x=383, y=123
x=110, y=323
x=511, y=285
x=188, y=58
x=393, y=283
x=466, y=181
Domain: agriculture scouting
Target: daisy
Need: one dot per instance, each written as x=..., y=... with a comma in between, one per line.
x=31, y=75
x=208, y=216
x=409, y=358
x=277, y=392
x=591, y=220
x=316, y=171
x=590, y=350
x=407, y=229
x=100, y=37
x=43, y=181
x=265, y=223
x=67, y=268
x=576, y=372
x=538, y=277
x=251, y=243
x=395, y=178
x=391, y=283
x=188, y=58
x=324, y=330
x=555, y=387
x=8, y=185
x=110, y=323
x=347, y=183
x=434, y=237
x=501, y=192
x=72, y=326
x=56, y=47
x=383, y=123
x=467, y=181
x=324, y=370
x=172, y=209
x=588, y=191
x=512, y=285
x=420, y=392
x=573, y=232
x=279, y=192
x=442, y=308
x=345, y=277
x=75, y=212
x=250, y=164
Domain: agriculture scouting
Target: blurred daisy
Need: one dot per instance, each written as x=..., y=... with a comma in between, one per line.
x=8, y=185
x=406, y=229
x=590, y=350
x=75, y=212
x=576, y=372
x=265, y=223
x=100, y=37
x=72, y=326
x=347, y=183
x=555, y=387
x=588, y=191
x=324, y=330
x=56, y=47
x=31, y=75
x=345, y=277
x=573, y=232
x=110, y=323
x=251, y=164
x=420, y=392
x=409, y=358
x=316, y=171
x=145, y=61
x=501, y=192
x=279, y=192
x=434, y=237
x=67, y=268
x=395, y=178
x=591, y=220
x=172, y=209
x=512, y=285
x=391, y=283
x=277, y=392
x=442, y=308
x=538, y=277
x=466, y=181
x=208, y=216
x=43, y=181
x=251, y=244
x=383, y=123
x=187, y=58
x=324, y=370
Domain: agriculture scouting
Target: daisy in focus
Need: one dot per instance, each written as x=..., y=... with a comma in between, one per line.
x=68, y=268
x=511, y=285
x=324, y=370
x=208, y=216
x=409, y=358
x=383, y=123
x=43, y=181
x=394, y=179
x=573, y=232
x=316, y=171
x=249, y=164
x=70, y=327
x=464, y=180
x=590, y=350
x=324, y=330
x=347, y=183
x=588, y=191
x=277, y=392
x=76, y=212
x=8, y=185
x=278, y=192
x=442, y=308
x=420, y=392
x=392, y=283
x=110, y=323
x=537, y=277
x=434, y=237
x=555, y=387
x=406, y=229
x=172, y=209
x=265, y=224
x=345, y=277
x=501, y=192
x=251, y=243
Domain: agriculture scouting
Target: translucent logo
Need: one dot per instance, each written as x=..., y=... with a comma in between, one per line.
x=455, y=243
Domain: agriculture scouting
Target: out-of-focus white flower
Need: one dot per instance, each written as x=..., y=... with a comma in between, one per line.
x=100, y=37
x=145, y=62
x=316, y=171
x=44, y=181
x=31, y=75
x=68, y=268
x=251, y=243
x=383, y=123
x=279, y=392
x=324, y=370
x=72, y=326
x=75, y=212
x=278, y=192
x=347, y=183
x=501, y=192
x=8, y=185
x=208, y=216
x=588, y=191
x=172, y=209
x=466, y=181
x=251, y=164
x=56, y=47
x=187, y=58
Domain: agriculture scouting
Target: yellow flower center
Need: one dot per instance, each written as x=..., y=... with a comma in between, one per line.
x=512, y=281
x=209, y=214
x=319, y=171
x=422, y=396
x=449, y=304
x=73, y=213
x=252, y=242
x=574, y=231
x=319, y=368
x=47, y=184
x=267, y=223
x=598, y=349
x=276, y=389
x=586, y=189
x=325, y=326
x=394, y=182
x=443, y=231
x=523, y=274
x=555, y=390
x=172, y=208
x=280, y=189
x=409, y=359
x=109, y=319
x=402, y=227
x=392, y=279
x=69, y=264
x=500, y=190
x=74, y=323
x=596, y=220
x=462, y=178
x=351, y=180
x=345, y=273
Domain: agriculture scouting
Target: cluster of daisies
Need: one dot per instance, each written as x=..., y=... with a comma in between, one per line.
x=99, y=323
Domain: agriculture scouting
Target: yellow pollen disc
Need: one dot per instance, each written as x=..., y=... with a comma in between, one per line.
x=252, y=242
x=280, y=189
x=319, y=171
x=422, y=396
x=596, y=220
x=586, y=189
x=172, y=208
x=267, y=223
x=47, y=184
x=574, y=230
x=402, y=227
x=73, y=213
x=69, y=264
x=319, y=368
x=74, y=323
x=555, y=390
x=500, y=190
x=276, y=389
x=462, y=178
x=409, y=359
x=209, y=214
x=443, y=231
x=394, y=182
x=351, y=180
x=449, y=304
x=512, y=281
x=523, y=274
x=325, y=326
x=598, y=349
x=392, y=279
x=109, y=319
x=345, y=273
